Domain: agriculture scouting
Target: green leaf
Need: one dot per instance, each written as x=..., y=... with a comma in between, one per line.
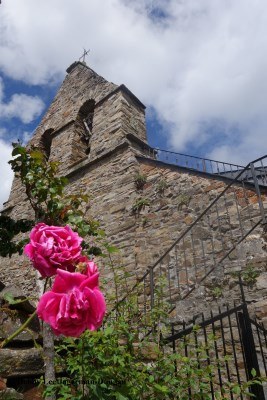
x=111, y=249
x=10, y=299
x=18, y=150
x=119, y=396
x=109, y=330
x=236, y=390
x=161, y=388
x=37, y=155
x=253, y=373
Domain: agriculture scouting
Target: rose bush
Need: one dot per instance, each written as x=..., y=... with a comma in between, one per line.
x=74, y=304
x=53, y=247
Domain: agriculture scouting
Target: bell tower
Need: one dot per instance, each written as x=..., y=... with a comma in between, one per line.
x=93, y=128
x=88, y=118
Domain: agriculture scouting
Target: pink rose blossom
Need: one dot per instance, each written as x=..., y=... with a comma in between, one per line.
x=53, y=247
x=74, y=304
x=86, y=266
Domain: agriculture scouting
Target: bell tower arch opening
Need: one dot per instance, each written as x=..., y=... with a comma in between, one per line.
x=85, y=119
x=46, y=142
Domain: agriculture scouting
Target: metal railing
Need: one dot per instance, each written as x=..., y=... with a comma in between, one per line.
x=195, y=163
x=226, y=343
x=207, y=243
x=227, y=170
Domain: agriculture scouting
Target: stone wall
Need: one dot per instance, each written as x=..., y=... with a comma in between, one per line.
x=170, y=200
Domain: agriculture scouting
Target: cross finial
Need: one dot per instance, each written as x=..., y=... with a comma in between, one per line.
x=85, y=53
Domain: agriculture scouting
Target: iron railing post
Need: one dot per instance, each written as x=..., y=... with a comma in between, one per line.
x=257, y=188
x=250, y=353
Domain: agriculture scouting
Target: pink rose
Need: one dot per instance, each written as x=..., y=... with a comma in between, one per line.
x=74, y=304
x=53, y=247
x=86, y=266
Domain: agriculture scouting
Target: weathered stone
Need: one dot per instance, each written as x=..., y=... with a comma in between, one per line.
x=11, y=321
x=261, y=282
x=16, y=293
x=21, y=362
x=10, y=394
x=261, y=308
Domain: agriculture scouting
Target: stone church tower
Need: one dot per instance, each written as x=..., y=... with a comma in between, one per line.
x=152, y=209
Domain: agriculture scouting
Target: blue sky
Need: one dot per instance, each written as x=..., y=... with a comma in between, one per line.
x=200, y=67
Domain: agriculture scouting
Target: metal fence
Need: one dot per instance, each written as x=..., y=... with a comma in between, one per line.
x=195, y=163
x=224, y=169
x=233, y=346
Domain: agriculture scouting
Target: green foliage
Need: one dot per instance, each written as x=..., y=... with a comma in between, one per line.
x=106, y=365
x=140, y=181
x=112, y=364
x=248, y=275
x=45, y=191
x=8, y=297
x=9, y=228
x=139, y=204
x=217, y=292
x=183, y=200
x=161, y=186
x=110, y=361
x=128, y=360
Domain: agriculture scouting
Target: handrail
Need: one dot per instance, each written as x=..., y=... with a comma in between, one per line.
x=239, y=181
x=234, y=181
x=194, y=162
x=238, y=167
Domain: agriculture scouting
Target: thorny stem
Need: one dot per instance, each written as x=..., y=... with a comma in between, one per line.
x=23, y=326
x=115, y=279
x=18, y=331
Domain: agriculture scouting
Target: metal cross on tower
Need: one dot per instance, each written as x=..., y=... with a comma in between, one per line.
x=85, y=53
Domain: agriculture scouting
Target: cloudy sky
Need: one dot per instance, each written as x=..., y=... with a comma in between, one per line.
x=200, y=66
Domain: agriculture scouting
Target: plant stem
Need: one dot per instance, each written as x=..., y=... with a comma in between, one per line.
x=115, y=276
x=49, y=350
x=18, y=331
x=23, y=326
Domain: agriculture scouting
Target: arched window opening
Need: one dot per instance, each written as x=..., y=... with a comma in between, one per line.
x=45, y=143
x=86, y=116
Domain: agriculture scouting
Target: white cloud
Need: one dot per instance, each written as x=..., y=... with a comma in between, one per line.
x=26, y=136
x=21, y=106
x=201, y=64
x=6, y=174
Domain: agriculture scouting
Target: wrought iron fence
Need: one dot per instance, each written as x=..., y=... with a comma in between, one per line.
x=232, y=345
